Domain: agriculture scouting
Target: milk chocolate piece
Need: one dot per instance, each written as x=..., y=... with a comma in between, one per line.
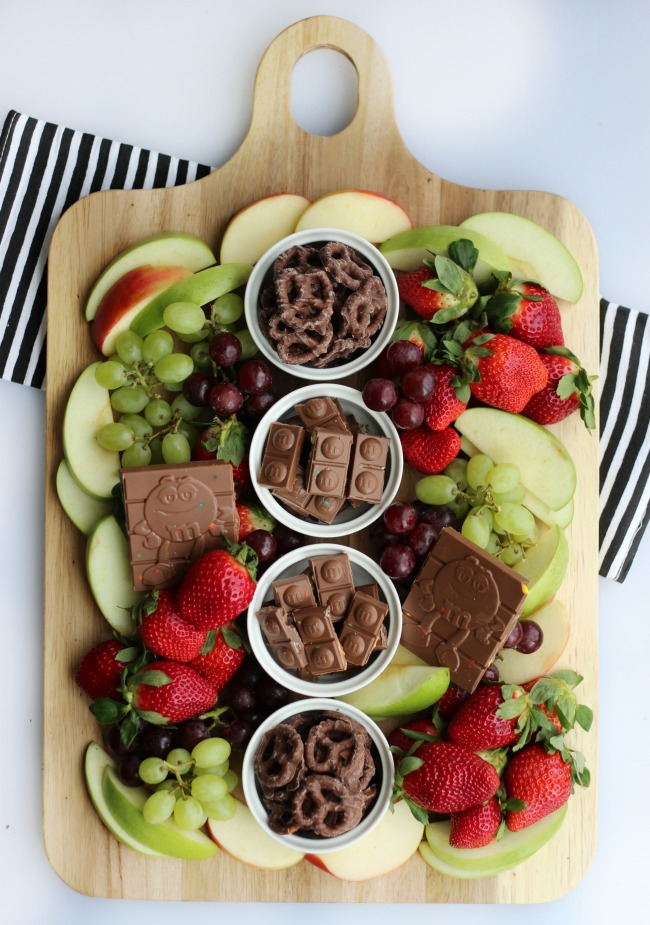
x=281, y=455
x=372, y=590
x=461, y=608
x=322, y=647
x=328, y=463
x=368, y=468
x=322, y=412
x=297, y=498
x=283, y=638
x=334, y=583
x=324, y=508
x=362, y=627
x=294, y=592
x=174, y=514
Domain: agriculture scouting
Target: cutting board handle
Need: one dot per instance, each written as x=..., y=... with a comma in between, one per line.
x=374, y=116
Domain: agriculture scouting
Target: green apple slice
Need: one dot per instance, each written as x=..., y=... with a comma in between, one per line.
x=95, y=469
x=125, y=804
x=173, y=248
x=404, y=656
x=243, y=838
x=96, y=762
x=201, y=287
x=517, y=668
x=400, y=690
x=544, y=568
x=535, y=253
x=407, y=250
x=541, y=511
x=109, y=574
x=546, y=467
x=500, y=855
x=83, y=510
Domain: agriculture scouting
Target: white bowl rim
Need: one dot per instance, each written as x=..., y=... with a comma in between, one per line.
x=333, y=688
x=284, y=516
x=367, y=250
x=382, y=802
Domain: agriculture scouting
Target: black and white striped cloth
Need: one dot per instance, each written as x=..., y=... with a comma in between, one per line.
x=44, y=168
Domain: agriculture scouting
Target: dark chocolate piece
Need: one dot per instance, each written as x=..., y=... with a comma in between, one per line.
x=461, y=608
x=174, y=514
x=328, y=463
x=322, y=647
x=368, y=468
x=283, y=639
x=362, y=626
x=322, y=412
x=294, y=592
x=281, y=455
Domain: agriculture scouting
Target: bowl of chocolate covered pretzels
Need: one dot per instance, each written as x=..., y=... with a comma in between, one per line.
x=324, y=620
x=322, y=304
x=325, y=465
x=318, y=775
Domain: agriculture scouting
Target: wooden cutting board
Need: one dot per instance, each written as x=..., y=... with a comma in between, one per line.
x=278, y=155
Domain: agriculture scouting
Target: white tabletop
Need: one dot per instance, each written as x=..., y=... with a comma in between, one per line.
x=541, y=94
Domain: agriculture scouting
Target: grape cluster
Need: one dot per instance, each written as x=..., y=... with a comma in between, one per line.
x=406, y=533
x=416, y=384
x=251, y=696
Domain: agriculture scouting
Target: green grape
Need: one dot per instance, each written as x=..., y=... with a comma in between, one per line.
x=115, y=436
x=477, y=470
x=493, y=545
x=136, y=455
x=173, y=368
x=194, y=338
x=129, y=347
x=208, y=788
x=503, y=477
x=188, y=431
x=210, y=752
x=170, y=784
x=140, y=427
x=184, y=317
x=130, y=399
x=200, y=354
x=220, y=770
x=228, y=308
x=223, y=809
x=248, y=345
x=459, y=506
x=188, y=412
x=511, y=555
x=175, y=449
x=174, y=386
x=153, y=770
x=111, y=374
x=485, y=514
x=513, y=519
x=476, y=529
x=158, y=412
x=181, y=758
x=157, y=345
x=188, y=813
x=516, y=495
x=159, y=807
x=435, y=489
x=231, y=779
x=155, y=446
x=457, y=470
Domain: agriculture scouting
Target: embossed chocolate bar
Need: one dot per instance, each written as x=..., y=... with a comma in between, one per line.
x=461, y=608
x=174, y=514
x=283, y=638
x=322, y=647
x=281, y=455
x=368, y=468
x=361, y=628
x=328, y=463
x=334, y=583
x=292, y=593
x=322, y=412
x=372, y=590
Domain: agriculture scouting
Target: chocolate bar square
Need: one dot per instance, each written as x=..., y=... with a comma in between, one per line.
x=328, y=463
x=368, y=468
x=294, y=592
x=281, y=455
x=362, y=627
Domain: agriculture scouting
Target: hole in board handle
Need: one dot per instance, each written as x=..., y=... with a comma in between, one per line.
x=324, y=92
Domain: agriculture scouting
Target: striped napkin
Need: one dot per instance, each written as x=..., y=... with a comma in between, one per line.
x=44, y=168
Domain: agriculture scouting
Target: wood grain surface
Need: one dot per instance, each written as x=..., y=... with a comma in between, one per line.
x=277, y=155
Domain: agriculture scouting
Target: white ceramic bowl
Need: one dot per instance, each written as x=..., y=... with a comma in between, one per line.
x=369, y=253
x=383, y=760
x=364, y=571
x=350, y=520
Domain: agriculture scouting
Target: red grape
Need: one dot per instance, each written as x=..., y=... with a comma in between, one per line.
x=491, y=673
x=263, y=543
x=400, y=518
x=191, y=733
x=403, y=355
x=254, y=377
x=272, y=695
x=531, y=639
x=128, y=770
x=407, y=415
x=225, y=348
x=418, y=384
x=225, y=399
x=242, y=697
x=287, y=539
x=379, y=394
x=197, y=388
x=397, y=561
x=422, y=537
x=257, y=405
x=238, y=733
x=515, y=636
x=439, y=516
x=156, y=741
x=380, y=537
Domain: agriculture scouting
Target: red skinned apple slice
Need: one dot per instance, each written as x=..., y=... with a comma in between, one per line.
x=258, y=226
x=127, y=297
x=244, y=839
x=517, y=668
x=370, y=215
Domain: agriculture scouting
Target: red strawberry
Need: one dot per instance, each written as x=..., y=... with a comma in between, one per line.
x=541, y=780
x=100, y=670
x=568, y=389
x=450, y=779
x=217, y=587
x=429, y=451
x=170, y=692
x=253, y=517
x=527, y=311
x=228, y=441
x=444, y=406
x=476, y=724
x=397, y=736
x=449, y=290
x=164, y=632
x=511, y=374
x=554, y=718
x=450, y=701
x=219, y=663
x=475, y=827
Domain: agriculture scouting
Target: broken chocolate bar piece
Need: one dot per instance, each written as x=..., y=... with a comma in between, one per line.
x=281, y=455
x=323, y=412
x=362, y=626
x=324, y=508
x=328, y=463
x=461, y=608
x=283, y=639
x=175, y=514
x=304, y=505
x=368, y=468
x=292, y=593
x=322, y=647
x=372, y=590
x=334, y=583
